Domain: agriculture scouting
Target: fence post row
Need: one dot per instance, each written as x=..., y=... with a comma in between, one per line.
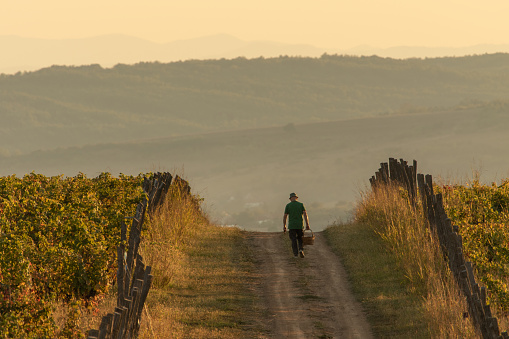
x=451, y=244
x=133, y=277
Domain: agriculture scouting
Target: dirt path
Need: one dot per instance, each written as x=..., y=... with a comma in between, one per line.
x=309, y=297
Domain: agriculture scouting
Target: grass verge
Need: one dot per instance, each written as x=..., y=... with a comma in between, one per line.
x=377, y=282
x=391, y=243
x=202, y=274
x=209, y=296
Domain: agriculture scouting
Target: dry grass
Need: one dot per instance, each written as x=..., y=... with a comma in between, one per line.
x=378, y=283
x=168, y=232
x=91, y=317
x=405, y=231
x=209, y=295
x=202, y=277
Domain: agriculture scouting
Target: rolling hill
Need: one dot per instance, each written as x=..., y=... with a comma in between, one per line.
x=75, y=106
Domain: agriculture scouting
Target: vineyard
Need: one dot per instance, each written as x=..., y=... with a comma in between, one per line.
x=481, y=213
x=449, y=238
x=58, y=244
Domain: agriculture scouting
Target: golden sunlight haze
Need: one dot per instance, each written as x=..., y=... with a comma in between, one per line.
x=323, y=23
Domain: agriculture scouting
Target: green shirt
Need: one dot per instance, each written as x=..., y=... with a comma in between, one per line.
x=295, y=210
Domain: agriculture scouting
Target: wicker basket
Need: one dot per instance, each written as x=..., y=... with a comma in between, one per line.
x=308, y=239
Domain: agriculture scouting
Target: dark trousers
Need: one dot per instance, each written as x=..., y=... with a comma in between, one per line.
x=296, y=237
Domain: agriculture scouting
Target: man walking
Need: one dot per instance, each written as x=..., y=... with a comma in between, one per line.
x=295, y=212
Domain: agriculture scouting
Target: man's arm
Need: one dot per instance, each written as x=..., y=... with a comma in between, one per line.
x=285, y=216
x=306, y=219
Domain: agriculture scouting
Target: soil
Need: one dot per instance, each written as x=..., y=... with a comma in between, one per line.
x=306, y=297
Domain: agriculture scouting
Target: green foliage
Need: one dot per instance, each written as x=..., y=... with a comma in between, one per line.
x=71, y=328
x=482, y=214
x=24, y=314
x=58, y=240
x=22, y=311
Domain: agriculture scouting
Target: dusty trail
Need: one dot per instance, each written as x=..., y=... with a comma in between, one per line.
x=309, y=297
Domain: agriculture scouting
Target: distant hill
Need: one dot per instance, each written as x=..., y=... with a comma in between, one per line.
x=30, y=54
x=406, y=52
x=63, y=106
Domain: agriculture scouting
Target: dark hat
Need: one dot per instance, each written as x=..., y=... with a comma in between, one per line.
x=293, y=195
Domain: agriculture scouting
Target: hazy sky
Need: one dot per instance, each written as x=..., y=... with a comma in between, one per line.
x=324, y=23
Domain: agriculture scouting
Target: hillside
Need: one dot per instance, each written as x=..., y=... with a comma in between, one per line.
x=246, y=175
x=75, y=106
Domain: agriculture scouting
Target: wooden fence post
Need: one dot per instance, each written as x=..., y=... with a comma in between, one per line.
x=134, y=279
x=449, y=240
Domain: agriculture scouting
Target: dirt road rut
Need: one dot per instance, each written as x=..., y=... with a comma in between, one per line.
x=306, y=297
